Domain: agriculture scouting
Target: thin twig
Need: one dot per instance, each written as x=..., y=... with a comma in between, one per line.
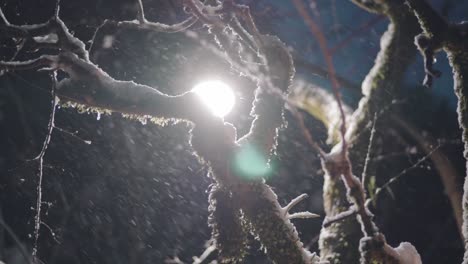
x=339, y=217
x=204, y=255
x=370, y=147
x=322, y=41
x=356, y=32
x=443, y=165
x=294, y=202
x=342, y=163
x=307, y=134
x=196, y=11
x=302, y=215
x=140, y=12
x=5, y=20
x=52, y=233
x=402, y=173
x=243, y=11
x=40, y=157
x=72, y=134
x=57, y=9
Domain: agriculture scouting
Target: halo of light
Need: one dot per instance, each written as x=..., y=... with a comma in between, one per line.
x=250, y=163
x=217, y=95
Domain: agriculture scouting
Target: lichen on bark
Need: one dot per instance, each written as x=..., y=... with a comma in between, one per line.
x=339, y=242
x=458, y=58
x=452, y=38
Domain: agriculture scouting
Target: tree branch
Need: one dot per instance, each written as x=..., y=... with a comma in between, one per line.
x=431, y=22
x=379, y=89
x=89, y=87
x=452, y=39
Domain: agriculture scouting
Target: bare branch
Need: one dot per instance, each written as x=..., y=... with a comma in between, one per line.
x=157, y=27
x=42, y=61
x=90, y=86
x=302, y=215
x=57, y=9
x=270, y=95
x=5, y=20
x=432, y=23
x=438, y=34
x=339, y=217
x=318, y=34
x=370, y=148
x=40, y=158
x=355, y=33
x=243, y=12
x=35, y=34
x=197, y=11
x=444, y=166
x=73, y=135
x=140, y=12
x=307, y=134
x=427, y=47
x=402, y=173
x=294, y=202
x=204, y=255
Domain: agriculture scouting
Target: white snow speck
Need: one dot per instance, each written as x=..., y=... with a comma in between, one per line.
x=107, y=41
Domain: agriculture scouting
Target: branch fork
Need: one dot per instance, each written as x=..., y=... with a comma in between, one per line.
x=294, y=202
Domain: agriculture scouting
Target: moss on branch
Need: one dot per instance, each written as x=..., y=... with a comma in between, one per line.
x=339, y=242
x=228, y=231
x=452, y=38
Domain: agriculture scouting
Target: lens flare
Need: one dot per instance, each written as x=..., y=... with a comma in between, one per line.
x=250, y=163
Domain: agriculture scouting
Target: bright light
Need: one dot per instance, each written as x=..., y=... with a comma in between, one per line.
x=217, y=95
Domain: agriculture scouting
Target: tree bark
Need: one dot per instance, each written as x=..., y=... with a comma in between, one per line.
x=339, y=242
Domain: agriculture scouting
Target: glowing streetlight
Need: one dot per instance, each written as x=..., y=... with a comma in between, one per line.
x=217, y=95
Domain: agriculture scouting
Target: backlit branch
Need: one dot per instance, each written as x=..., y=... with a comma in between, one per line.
x=157, y=27
x=266, y=218
x=89, y=87
x=40, y=159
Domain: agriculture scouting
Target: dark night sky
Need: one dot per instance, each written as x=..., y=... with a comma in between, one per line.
x=137, y=194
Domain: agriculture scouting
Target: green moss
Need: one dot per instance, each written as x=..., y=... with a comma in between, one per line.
x=228, y=230
x=84, y=109
x=278, y=239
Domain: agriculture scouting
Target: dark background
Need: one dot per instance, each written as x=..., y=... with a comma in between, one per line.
x=137, y=194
